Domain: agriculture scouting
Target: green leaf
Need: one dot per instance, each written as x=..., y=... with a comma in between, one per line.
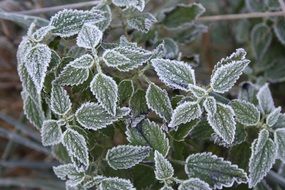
x=246, y=113
x=60, y=101
x=265, y=99
x=225, y=76
x=197, y=91
x=86, y=61
x=171, y=48
x=94, y=116
x=51, y=133
x=40, y=34
x=105, y=10
x=263, y=155
x=185, y=113
x=279, y=29
x=223, y=122
x=279, y=139
x=194, y=184
x=69, y=22
x=210, y=105
x=126, y=58
x=114, y=183
x=163, y=168
x=175, y=74
x=106, y=91
x=149, y=134
x=76, y=145
x=113, y=58
x=273, y=117
x=158, y=100
x=261, y=37
x=138, y=103
x=71, y=75
x=214, y=170
x=37, y=60
x=141, y=21
x=89, y=36
x=68, y=172
x=33, y=110
x=125, y=90
x=183, y=130
x=27, y=83
x=256, y=5
x=126, y=156
x=183, y=14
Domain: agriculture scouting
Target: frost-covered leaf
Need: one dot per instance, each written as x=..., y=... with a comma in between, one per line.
x=69, y=22
x=150, y=134
x=272, y=118
x=223, y=122
x=37, y=60
x=183, y=14
x=105, y=10
x=83, y=62
x=71, y=75
x=183, y=130
x=126, y=156
x=41, y=33
x=76, y=145
x=265, y=100
x=197, y=91
x=114, y=58
x=171, y=48
x=246, y=113
x=225, y=76
x=126, y=58
x=141, y=21
x=176, y=74
x=90, y=181
x=210, y=105
x=280, y=122
x=163, y=168
x=194, y=184
x=94, y=116
x=114, y=183
x=214, y=170
x=27, y=82
x=89, y=36
x=138, y=103
x=261, y=37
x=106, y=91
x=125, y=90
x=279, y=29
x=138, y=4
x=279, y=139
x=51, y=133
x=33, y=110
x=60, y=101
x=185, y=113
x=166, y=188
x=263, y=155
x=68, y=172
x=158, y=100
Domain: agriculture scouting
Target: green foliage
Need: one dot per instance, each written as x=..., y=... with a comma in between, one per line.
x=122, y=107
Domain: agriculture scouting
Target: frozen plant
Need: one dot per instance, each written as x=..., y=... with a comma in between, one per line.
x=113, y=126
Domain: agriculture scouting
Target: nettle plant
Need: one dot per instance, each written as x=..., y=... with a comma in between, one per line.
x=113, y=126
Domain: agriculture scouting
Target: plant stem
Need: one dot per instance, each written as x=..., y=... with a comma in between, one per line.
x=60, y=7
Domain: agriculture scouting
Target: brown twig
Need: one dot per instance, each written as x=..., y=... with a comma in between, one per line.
x=60, y=7
x=242, y=16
